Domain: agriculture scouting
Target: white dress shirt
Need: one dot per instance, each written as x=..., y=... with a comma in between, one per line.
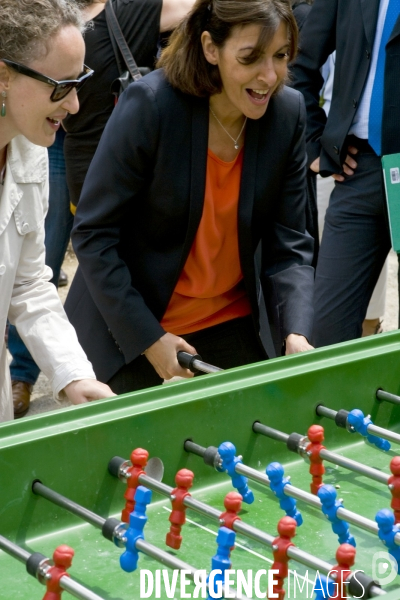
x=359, y=127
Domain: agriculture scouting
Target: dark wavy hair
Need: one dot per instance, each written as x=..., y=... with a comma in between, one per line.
x=183, y=61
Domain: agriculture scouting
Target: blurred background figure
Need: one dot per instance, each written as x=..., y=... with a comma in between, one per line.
x=141, y=23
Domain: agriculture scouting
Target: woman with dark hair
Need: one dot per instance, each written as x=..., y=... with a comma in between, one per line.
x=196, y=194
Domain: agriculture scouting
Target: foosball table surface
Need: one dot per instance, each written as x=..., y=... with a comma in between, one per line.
x=69, y=452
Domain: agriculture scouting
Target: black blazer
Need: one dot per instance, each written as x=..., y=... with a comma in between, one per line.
x=347, y=26
x=141, y=206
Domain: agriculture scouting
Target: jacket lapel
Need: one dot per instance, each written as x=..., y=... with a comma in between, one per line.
x=247, y=192
x=199, y=145
x=369, y=11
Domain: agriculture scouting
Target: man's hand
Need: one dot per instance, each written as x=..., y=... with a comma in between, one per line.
x=162, y=355
x=86, y=390
x=349, y=166
x=315, y=165
x=297, y=343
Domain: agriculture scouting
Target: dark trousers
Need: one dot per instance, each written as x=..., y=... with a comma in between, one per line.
x=227, y=345
x=354, y=246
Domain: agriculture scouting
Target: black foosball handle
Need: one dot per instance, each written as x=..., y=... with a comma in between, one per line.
x=194, y=363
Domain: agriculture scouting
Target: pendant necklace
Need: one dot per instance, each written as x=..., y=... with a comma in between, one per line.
x=235, y=142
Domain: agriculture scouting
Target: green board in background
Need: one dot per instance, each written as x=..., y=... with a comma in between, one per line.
x=391, y=176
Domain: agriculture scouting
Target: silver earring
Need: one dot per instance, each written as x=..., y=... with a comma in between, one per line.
x=3, y=105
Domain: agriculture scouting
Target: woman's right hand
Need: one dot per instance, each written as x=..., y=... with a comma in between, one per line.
x=162, y=355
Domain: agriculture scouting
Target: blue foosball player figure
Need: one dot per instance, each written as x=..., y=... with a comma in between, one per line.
x=226, y=541
x=327, y=494
x=278, y=483
x=359, y=423
x=387, y=532
x=137, y=520
x=324, y=588
x=228, y=464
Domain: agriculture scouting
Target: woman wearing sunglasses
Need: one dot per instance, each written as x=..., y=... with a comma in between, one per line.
x=41, y=70
x=195, y=196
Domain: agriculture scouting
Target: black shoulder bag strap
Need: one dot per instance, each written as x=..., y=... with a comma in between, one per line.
x=117, y=37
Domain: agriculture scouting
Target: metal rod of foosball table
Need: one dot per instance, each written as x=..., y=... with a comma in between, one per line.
x=66, y=582
x=300, y=556
x=194, y=363
x=293, y=552
x=294, y=492
x=239, y=526
x=332, y=457
x=324, y=411
x=246, y=530
x=63, y=502
x=174, y=563
x=188, y=501
x=149, y=549
x=357, y=467
x=299, y=494
x=382, y=395
x=77, y=590
x=14, y=550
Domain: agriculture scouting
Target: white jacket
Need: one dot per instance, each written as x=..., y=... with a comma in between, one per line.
x=27, y=297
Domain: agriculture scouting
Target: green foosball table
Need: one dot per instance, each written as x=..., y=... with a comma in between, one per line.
x=54, y=464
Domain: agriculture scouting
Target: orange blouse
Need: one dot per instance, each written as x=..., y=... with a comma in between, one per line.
x=210, y=289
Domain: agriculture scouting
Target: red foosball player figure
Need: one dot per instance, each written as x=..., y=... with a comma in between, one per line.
x=233, y=504
x=139, y=459
x=316, y=435
x=62, y=558
x=346, y=556
x=184, y=481
x=287, y=530
x=394, y=487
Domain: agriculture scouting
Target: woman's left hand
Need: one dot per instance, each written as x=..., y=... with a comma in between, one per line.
x=86, y=390
x=297, y=343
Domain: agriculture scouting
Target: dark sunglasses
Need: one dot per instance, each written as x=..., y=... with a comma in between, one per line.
x=61, y=88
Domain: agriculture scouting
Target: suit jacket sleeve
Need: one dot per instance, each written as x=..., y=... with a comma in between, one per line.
x=317, y=42
x=288, y=278
x=300, y=12
x=118, y=173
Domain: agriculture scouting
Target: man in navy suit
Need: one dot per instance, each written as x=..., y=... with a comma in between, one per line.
x=363, y=125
